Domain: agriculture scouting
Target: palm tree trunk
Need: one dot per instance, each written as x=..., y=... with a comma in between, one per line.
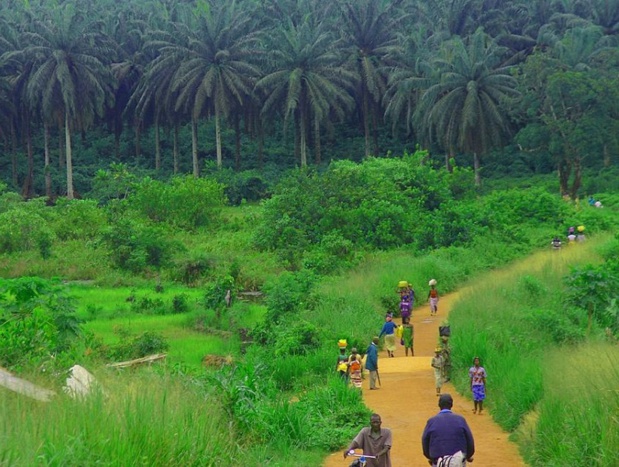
x=303, y=143
x=237, y=142
x=366, y=124
x=138, y=139
x=317, y=147
x=448, y=156
x=577, y=180
x=48, y=175
x=175, y=148
x=61, y=156
x=67, y=135
x=260, y=145
x=476, y=167
x=14, y=155
x=194, y=147
x=157, y=145
x=218, y=140
x=27, y=191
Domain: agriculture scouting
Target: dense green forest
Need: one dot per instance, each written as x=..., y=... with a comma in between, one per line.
x=155, y=155
x=177, y=86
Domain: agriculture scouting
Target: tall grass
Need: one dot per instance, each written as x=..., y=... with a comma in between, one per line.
x=138, y=419
x=578, y=422
x=535, y=353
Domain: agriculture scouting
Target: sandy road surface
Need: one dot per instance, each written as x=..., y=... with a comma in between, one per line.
x=407, y=399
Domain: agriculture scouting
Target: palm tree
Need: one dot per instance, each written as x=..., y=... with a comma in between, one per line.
x=461, y=109
x=70, y=83
x=216, y=68
x=368, y=29
x=307, y=81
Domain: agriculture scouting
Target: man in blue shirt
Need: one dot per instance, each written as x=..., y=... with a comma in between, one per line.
x=371, y=362
x=447, y=433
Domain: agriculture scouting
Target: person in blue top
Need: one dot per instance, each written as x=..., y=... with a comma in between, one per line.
x=388, y=331
x=371, y=361
x=447, y=434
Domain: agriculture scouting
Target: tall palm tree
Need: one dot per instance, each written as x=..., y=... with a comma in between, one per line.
x=461, y=109
x=368, y=29
x=216, y=67
x=307, y=81
x=71, y=82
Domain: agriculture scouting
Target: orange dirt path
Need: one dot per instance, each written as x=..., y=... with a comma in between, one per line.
x=407, y=399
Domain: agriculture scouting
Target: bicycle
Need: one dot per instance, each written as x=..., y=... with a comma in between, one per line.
x=362, y=459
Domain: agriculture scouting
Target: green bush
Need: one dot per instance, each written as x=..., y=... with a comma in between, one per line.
x=22, y=230
x=145, y=344
x=78, y=219
x=37, y=321
x=135, y=246
x=296, y=338
x=185, y=202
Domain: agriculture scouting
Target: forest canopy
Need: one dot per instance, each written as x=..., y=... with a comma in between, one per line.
x=176, y=86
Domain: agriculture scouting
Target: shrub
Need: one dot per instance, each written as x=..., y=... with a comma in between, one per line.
x=298, y=338
x=185, y=202
x=78, y=219
x=134, y=246
x=37, y=320
x=145, y=344
x=22, y=230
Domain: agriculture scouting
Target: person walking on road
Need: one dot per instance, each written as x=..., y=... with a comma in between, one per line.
x=437, y=364
x=388, y=331
x=408, y=333
x=374, y=441
x=371, y=362
x=447, y=434
x=477, y=375
x=433, y=297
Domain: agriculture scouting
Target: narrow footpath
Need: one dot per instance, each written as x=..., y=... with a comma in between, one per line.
x=407, y=399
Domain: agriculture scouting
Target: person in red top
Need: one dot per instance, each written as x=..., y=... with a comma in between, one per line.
x=433, y=297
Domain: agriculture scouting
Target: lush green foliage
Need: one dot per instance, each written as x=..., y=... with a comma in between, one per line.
x=37, y=323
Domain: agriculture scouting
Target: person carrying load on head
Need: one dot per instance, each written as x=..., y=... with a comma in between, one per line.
x=405, y=289
x=405, y=309
x=342, y=360
x=433, y=297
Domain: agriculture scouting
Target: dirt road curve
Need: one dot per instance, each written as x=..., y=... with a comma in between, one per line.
x=407, y=399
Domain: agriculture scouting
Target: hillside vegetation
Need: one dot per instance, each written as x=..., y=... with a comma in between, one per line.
x=96, y=281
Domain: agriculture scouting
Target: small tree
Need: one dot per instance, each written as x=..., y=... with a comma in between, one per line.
x=591, y=288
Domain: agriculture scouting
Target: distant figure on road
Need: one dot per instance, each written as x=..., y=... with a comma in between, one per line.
x=447, y=434
x=374, y=441
x=433, y=297
x=477, y=375
x=437, y=364
x=408, y=334
x=388, y=330
x=371, y=361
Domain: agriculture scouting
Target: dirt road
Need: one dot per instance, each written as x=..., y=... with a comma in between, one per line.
x=407, y=399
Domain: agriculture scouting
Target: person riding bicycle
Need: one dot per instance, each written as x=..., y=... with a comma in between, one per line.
x=374, y=441
x=447, y=434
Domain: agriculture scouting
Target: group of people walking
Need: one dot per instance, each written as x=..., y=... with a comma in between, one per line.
x=447, y=436
x=447, y=439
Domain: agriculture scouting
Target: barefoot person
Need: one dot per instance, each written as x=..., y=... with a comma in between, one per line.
x=477, y=375
x=433, y=297
x=371, y=361
x=388, y=331
x=447, y=434
x=437, y=364
x=374, y=441
x=408, y=333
